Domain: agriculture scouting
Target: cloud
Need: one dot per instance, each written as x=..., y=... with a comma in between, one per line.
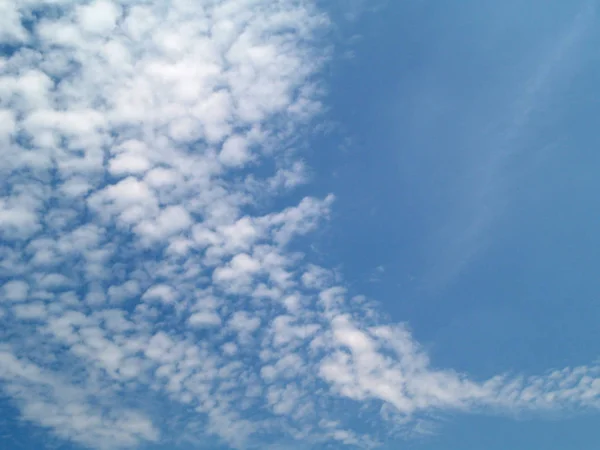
x=147, y=295
x=15, y=290
x=51, y=403
x=205, y=319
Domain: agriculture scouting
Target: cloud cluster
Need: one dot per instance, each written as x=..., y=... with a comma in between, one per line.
x=147, y=293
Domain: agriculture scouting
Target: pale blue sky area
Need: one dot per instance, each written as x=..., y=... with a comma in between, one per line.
x=175, y=276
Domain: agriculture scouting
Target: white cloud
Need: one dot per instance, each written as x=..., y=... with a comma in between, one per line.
x=128, y=163
x=11, y=28
x=8, y=125
x=31, y=311
x=48, y=401
x=15, y=290
x=160, y=292
x=234, y=151
x=205, y=319
x=17, y=221
x=316, y=277
x=53, y=281
x=124, y=291
x=243, y=322
x=238, y=275
x=158, y=346
x=98, y=17
x=171, y=220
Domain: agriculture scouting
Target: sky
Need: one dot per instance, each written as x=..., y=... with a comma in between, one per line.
x=299, y=224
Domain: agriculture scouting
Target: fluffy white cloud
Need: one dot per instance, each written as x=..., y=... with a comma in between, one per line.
x=205, y=319
x=243, y=322
x=98, y=17
x=48, y=401
x=145, y=293
x=15, y=290
x=234, y=151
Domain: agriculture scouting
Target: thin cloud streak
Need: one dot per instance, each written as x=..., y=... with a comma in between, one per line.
x=468, y=233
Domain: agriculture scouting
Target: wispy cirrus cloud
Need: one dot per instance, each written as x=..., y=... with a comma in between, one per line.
x=470, y=225
x=140, y=270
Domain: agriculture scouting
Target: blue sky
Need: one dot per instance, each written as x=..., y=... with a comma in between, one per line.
x=299, y=225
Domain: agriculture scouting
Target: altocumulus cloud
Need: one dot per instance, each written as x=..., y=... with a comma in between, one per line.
x=146, y=293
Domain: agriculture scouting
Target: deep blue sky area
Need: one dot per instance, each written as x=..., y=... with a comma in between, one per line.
x=470, y=178
x=460, y=140
x=470, y=175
